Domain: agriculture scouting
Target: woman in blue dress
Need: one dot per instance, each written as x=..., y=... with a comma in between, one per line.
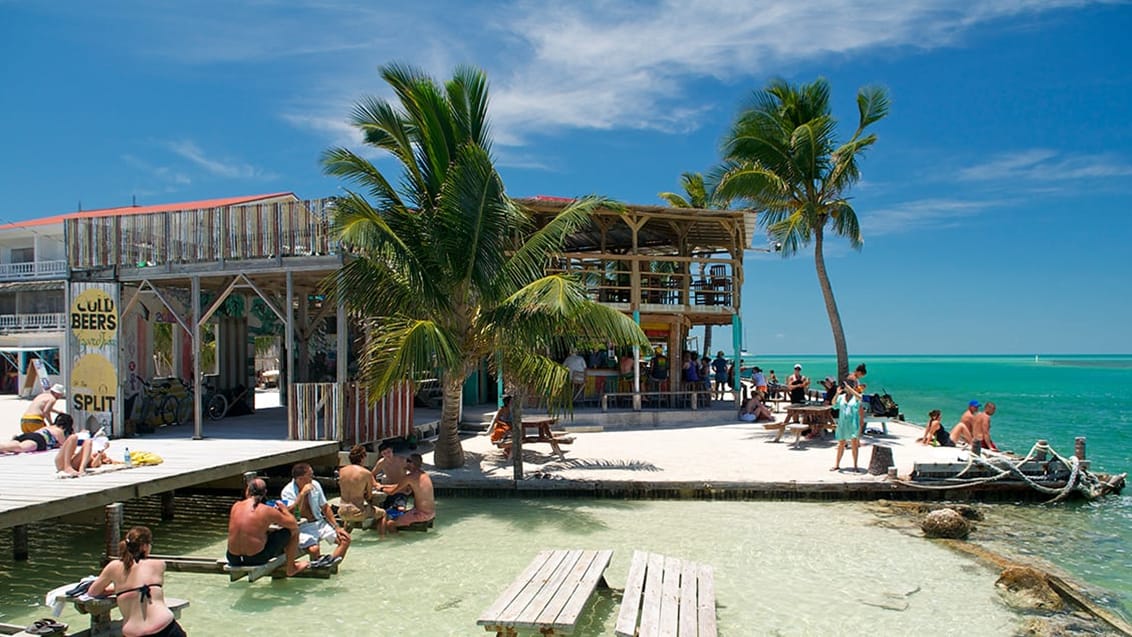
x=847, y=401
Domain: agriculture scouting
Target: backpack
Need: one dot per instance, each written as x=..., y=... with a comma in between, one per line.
x=883, y=405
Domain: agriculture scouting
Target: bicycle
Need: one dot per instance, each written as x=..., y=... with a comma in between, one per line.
x=217, y=403
x=159, y=406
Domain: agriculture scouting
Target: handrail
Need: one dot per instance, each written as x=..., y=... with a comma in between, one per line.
x=695, y=395
x=32, y=269
x=33, y=322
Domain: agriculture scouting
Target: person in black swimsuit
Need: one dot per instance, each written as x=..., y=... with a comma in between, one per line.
x=137, y=583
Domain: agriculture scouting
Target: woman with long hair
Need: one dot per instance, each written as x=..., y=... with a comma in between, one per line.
x=138, y=584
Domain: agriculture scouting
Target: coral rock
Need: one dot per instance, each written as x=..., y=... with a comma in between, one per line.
x=1025, y=587
x=945, y=523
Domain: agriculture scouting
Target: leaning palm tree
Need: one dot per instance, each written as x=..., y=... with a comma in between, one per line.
x=696, y=195
x=782, y=156
x=446, y=270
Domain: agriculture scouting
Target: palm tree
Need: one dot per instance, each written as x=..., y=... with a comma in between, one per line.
x=696, y=195
x=782, y=156
x=447, y=269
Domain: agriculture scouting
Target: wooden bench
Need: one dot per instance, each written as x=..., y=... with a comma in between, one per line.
x=254, y=572
x=549, y=595
x=99, y=610
x=667, y=596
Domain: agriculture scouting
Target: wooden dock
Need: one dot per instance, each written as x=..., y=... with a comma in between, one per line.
x=30, y=492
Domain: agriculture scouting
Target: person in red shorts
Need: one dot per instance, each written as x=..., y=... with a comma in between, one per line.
x=418, y=484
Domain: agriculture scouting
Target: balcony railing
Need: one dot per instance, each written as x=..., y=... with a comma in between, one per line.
x=678, y=283
x=33, y=270
x=32, y=322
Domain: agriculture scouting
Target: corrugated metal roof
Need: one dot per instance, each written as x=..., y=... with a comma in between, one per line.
x=31, y=286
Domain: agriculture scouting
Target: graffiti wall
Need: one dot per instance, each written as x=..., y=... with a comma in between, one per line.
x=93, y=333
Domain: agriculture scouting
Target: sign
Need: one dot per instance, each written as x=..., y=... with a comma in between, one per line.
x=93, y=332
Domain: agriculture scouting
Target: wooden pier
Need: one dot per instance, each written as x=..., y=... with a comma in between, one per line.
x=30, y=492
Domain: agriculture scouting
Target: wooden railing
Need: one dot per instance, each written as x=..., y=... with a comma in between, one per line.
x=32, y=322
x=686, y=282
x=258, y=231
x=314, y=410
x=33, y=270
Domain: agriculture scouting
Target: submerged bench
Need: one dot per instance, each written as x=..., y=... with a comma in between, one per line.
x=667, y=596
x=549, y=595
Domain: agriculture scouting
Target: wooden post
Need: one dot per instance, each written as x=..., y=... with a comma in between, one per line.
x=113, y=528
x=977, y=447
x=881, y=460
x=168, y=509
x=1079, y=447
x=20, y=543
x=1040, y=453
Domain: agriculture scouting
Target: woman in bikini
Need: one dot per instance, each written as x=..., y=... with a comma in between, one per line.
x=138, y=582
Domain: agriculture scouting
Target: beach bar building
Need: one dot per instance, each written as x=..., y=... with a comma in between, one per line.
x=671, y=269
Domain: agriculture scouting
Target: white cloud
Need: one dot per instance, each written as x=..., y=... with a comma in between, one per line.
x=1044, y=165
x=170, y=177
x=230, y=169
x=916, y=215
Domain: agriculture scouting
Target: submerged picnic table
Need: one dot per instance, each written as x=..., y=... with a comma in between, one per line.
x=549, y=595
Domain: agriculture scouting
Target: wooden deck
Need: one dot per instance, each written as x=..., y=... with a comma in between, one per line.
x=30, y=492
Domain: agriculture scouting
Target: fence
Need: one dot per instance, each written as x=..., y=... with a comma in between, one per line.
x=314, y=409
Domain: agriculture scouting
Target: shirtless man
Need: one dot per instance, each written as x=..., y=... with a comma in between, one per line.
x=389, y=464
x=963, y=431
x=357, y=484
x=981, y=430
x=251, y=542
x=41, y=410
x=419, y=485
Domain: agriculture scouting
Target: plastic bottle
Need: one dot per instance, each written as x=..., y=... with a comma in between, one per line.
x=126, y=458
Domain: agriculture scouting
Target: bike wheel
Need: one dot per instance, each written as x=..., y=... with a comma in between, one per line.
x=217, y=406
x=167, y=414
x=185, y=408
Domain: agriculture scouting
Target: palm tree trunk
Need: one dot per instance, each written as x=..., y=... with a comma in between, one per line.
x=518, y=397
x=449, y=453
x=831, y=308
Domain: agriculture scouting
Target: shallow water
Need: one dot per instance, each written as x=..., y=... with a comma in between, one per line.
x=780, y=569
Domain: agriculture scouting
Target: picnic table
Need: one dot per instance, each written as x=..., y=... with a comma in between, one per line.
x=99, y=610
x=800, y=418
x=549, y=595
x=541, y=426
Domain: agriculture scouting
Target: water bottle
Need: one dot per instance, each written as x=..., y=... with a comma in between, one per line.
x=126, y=458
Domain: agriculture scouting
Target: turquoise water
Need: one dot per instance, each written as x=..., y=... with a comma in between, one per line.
x=1054, y=397
x=783, y=569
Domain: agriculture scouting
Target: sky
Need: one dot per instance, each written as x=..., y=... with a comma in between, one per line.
x=993, y=205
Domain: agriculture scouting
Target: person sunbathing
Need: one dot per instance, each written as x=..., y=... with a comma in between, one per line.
x=80, y=452
x=934, y=433
x=755, y=410
x=45, y=438
x=138, y=582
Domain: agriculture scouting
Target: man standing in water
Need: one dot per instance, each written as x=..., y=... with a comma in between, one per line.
x=250, y=542
x=981, y=429
x=357, y=485
x=419, y=485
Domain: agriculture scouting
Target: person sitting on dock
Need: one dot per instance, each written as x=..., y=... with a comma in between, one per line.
x=419, y=485
x=755, y=410
x=305, y=496
x=251, y=541
x=42, y=410
x=357, y=485
x=963, y=431
x=138, y=583
x=80, y=452
x=797, y=384
x=42, y=439
x=981, y=430
x=934, y=433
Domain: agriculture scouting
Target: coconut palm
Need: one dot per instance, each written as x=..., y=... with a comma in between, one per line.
x=696, y=195
x=782, y=156
x=446, y=269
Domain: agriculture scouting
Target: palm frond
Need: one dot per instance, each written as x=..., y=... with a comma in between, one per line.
x=399, y=348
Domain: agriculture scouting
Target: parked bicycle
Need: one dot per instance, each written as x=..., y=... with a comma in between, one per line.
x=161, y=403
x=217, y=403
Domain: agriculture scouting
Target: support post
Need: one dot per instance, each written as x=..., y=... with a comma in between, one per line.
x=737, y=370
x=288, y=373
x=114, y=518
x=1040, y=453
x=636, y=355
x=20, y=543
x=1079, y=447
x=198, y=389
x=168, y=508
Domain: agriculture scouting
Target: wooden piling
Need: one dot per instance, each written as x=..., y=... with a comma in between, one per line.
x=1040, y=453
x=168, y=508
x=20, y=543
x=1079, y=447
x=114, y=518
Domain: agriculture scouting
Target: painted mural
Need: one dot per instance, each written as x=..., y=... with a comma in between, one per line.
x=93, y=333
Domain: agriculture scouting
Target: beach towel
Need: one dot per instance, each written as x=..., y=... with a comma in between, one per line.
x=140, y=458
x=106, y=468
x=54, y=598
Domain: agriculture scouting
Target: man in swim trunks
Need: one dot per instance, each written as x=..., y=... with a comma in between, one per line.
x=981, y=430
x=392, y=470
x=357, y=485
x=42, y=439
x=41, y=410
x=419, y=485
x=307, y=500
x=251, y=542
x=964, y=431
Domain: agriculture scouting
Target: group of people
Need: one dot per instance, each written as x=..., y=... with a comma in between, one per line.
x=973, y=426
x=259, y=529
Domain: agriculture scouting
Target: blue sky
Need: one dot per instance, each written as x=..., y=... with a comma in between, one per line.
x=994, y=205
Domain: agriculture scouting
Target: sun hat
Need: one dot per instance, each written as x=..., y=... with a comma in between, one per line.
x=58, y=388
x=973, y=403
x=797, y=366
